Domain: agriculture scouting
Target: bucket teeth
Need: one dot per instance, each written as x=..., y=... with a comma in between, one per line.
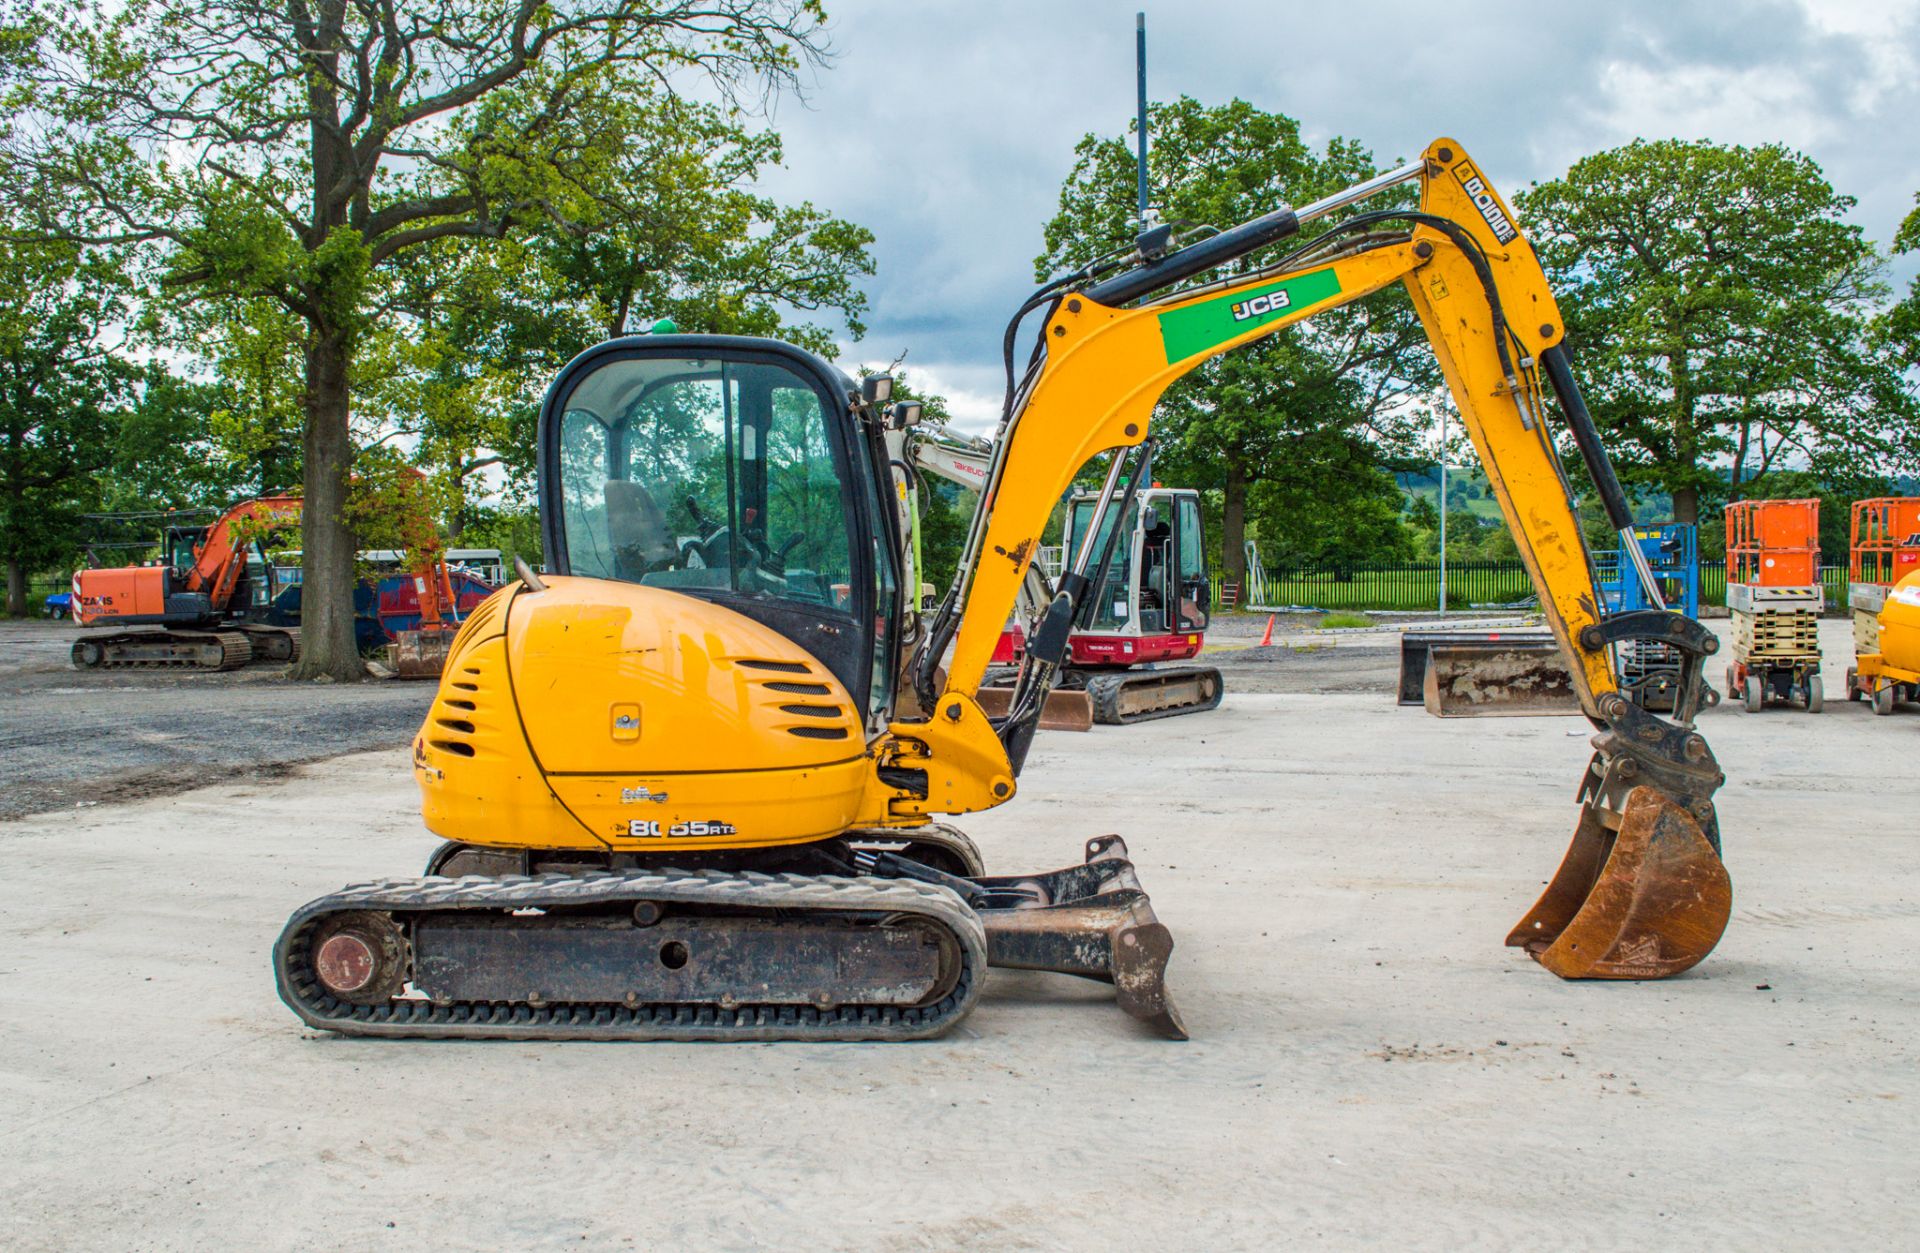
x=1641, y=894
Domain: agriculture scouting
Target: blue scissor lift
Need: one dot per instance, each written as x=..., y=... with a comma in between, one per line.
x=1649, y=670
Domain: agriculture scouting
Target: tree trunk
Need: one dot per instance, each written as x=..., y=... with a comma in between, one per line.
x=1233, y=529
x=1686, y=505
x=327, y=648
x=16, y=588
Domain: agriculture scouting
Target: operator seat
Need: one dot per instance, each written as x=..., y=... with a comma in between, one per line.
x=637, y=530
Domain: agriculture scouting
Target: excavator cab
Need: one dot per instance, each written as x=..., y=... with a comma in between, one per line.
x=1155, y=597
x=736, y=472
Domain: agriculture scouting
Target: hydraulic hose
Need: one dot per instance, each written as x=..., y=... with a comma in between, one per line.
x=1559, y=368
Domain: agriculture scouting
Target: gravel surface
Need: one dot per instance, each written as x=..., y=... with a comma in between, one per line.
x=72, y=739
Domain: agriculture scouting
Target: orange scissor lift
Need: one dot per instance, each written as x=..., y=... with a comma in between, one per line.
x=1774, y=598
x=1885, y=549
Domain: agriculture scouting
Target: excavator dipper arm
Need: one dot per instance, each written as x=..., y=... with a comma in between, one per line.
x=1642, y=893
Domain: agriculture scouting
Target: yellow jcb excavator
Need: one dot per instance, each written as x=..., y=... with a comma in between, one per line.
x=678, y=799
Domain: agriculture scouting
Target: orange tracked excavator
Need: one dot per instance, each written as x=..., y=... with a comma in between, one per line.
x=194, y=602
x=193, y=608
x=685, y=794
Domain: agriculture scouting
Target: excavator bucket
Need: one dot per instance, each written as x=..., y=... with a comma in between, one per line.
x=1476, y=682
x=1641, y=894
x=1064, y=710
x=419, y=654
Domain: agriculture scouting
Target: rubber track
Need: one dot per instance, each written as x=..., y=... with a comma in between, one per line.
x=236, y=650
x=600, y=1021
x=293, y=642
x=1105, y=690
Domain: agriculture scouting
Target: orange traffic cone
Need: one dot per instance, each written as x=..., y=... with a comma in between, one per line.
x=1267, y=639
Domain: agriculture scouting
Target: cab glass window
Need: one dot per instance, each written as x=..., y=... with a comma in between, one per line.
x=709, y=477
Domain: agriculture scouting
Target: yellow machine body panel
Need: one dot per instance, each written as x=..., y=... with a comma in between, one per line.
x=1899, y=656
x=598, y=714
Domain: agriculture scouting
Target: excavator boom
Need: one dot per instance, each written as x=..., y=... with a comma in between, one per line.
x=1498, y=336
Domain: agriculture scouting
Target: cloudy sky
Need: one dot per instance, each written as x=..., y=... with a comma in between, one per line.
x=947, y=125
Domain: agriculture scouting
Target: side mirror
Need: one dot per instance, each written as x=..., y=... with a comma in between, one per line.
x=876, y=389
x=1150, y=517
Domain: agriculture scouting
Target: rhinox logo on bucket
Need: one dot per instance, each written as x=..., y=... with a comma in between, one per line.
x=1483, y=200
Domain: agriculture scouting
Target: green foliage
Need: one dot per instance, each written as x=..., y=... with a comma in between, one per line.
x=167, y=454
x=62, y=392
x=1899, y=329
x=1296, y=413
x=1340, y=620
x=515, y=531
x=253, y=153
x=946, y=511
x=656, y=217
x=1718, y=305
x=1342, y=515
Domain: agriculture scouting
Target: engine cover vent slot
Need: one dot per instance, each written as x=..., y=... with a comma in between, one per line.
x=782, y=667
x=818, y=733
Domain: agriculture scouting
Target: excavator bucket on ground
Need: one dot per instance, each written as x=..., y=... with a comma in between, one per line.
x=1641, y=894
x=1064, y=710
x=419, y=654
x=1477, y=681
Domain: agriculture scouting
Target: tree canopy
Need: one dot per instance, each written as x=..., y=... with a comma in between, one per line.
x=1292, y=428
x=1718, y=310
x=62, y=387
x=299, y=153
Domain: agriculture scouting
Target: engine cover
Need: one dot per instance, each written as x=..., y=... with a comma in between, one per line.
x=602, y=714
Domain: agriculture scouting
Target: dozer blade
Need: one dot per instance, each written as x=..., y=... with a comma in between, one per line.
x=1645, y=901
x=1094, y=921
x=419, y=654
x=1478, y=682
x=1064, y=710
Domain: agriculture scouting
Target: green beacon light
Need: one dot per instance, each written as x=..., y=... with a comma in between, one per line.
x=664, y=326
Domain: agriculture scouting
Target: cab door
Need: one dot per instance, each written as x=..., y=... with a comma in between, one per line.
x=1190, y=561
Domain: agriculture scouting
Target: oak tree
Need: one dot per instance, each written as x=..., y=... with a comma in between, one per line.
x=1717, y=306
x=297, y=150
x=1302, y=412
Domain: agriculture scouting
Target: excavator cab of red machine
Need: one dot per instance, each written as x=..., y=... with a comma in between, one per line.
x=1642, y=892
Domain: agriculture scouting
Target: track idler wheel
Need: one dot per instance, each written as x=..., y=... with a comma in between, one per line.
x=1641, y=894
x=361, y=958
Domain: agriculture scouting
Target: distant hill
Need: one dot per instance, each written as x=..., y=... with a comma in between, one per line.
x=1471, y=483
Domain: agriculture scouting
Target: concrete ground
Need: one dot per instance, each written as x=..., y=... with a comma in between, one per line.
x=1369, y=1064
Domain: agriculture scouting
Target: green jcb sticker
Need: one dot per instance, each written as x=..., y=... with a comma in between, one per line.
x=1197, y=328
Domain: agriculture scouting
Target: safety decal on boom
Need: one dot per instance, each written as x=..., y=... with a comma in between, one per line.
x=1207, y=324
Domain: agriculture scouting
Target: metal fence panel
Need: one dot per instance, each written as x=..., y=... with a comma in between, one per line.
x=1416, y=585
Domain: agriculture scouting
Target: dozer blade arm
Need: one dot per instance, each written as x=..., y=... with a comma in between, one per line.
x=1110, y=348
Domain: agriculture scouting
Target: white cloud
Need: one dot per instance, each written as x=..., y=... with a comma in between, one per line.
x=947, y=125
